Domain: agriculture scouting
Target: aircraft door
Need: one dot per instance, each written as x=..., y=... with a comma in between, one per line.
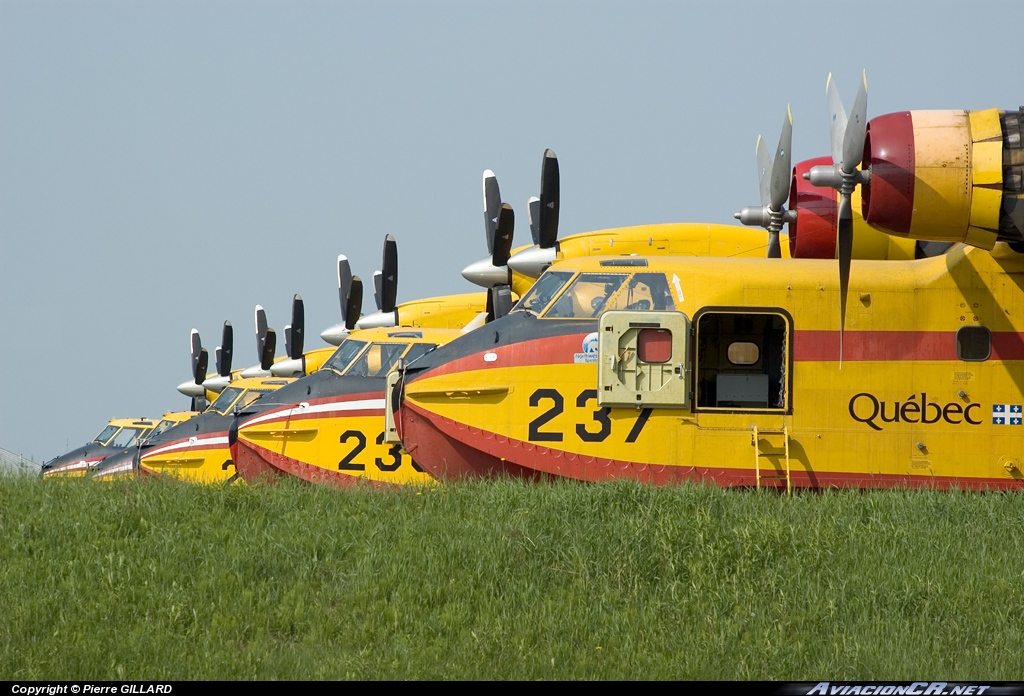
x=642, y=359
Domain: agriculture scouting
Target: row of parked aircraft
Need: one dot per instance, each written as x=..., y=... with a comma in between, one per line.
x=880, y=342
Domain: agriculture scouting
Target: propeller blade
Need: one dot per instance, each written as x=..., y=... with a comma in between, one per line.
x=389, y=283
x=774, y=248
x=844, y=246
x=547, y=223
x=354, y=303
x=856, y=128
x=492, y=204
x=377, y=283
x=261, y=330
x=765, y=173
x=196, y=349
x=836, y=118
x=344, y=283
x=269, y=348
x=503, y=236
x=533, y=210
x=295, y=344
x=201, y=364
x=288, y=340
x=499, y=302
x=781, y=166
x=224, y=353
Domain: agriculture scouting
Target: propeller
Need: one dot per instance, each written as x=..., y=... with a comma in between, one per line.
x=543, y=223
x=499, y=297
x=351, y=303
x=378, y=279
x=225, y=350
x=294, y=331
x=492, y=271
x=197, y=351
x=294, y=365
x=385, y=289
x=268, y=349
x=533, y=210
x=773, y=179
x=199, y=362
x=847, y=140
x=223, y=355
x=264, y=336
x=492, y=204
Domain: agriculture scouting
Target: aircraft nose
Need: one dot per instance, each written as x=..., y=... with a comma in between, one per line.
x=485, y=274
x=533, y=261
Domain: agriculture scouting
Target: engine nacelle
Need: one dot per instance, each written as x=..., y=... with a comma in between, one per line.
x=813, y=235
x=949, y=176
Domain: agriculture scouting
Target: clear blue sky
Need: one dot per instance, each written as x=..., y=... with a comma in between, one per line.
x=168, y=165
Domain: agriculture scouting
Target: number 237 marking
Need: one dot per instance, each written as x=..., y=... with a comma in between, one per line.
x=597, y=430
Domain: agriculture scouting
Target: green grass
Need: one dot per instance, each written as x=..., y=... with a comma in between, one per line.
x=151, y=580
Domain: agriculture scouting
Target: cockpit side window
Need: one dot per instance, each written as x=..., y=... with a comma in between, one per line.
x=105, y=435
x=417, y=351
x=542, y=291
x=587, y=297
x=160, y=427
x=250, y=396
x=342, y=357
x=377, y=360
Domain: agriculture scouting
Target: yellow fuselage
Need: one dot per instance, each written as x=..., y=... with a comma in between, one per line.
x=915, y=401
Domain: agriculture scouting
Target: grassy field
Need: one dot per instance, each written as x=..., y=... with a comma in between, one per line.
x=151, y=580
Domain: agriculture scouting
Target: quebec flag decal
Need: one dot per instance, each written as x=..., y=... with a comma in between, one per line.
x=1007, y=414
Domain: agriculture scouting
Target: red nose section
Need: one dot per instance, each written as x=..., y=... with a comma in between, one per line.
x=888, y=200
x=251, y=465
x=448, y=458
x=813, y=235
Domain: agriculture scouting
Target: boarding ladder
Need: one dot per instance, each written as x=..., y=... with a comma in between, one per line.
x=758, y=454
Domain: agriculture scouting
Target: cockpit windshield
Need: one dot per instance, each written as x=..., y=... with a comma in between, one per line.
x=346, y=352
x=127, y=437
x=222, y=404
x=377, y=361
x=105, y=435
x=542, y=291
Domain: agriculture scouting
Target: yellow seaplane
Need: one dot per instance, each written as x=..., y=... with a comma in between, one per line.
x=740, y=371
x=119, y=435
x=328, y=427
x=123, y=464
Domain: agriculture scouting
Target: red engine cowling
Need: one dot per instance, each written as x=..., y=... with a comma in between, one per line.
x=813, y=235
